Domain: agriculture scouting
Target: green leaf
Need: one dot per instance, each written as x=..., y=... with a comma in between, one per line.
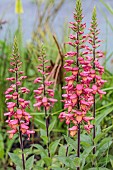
x=71, y=142
x=103, y=114
x=45, y=139
x=38, y=168
x=85, y=154
x=64, y=160
x=76, y=162
x=99, y=168
x=62, y=150
x=105, y=144
x=47, y=160
x=40, y=123
x=18, y=168
x=106, y=130
x=39, y=165
x=36, y=114
x=59, y=169
x=98, y=137
x=29, y=163
x=16, y=160
x=111, y=162
x=53, y=147
x=69, y=162
x=44, y=135
x=1, y=147
x=51, y=126
x=107, y=6
x=42, y=151
x=86, y=139
x=9, y=144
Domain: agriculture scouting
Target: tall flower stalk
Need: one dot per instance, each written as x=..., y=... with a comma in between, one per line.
x=18, y=119
x=78, y=98
x=97, y=70
x=44, y=94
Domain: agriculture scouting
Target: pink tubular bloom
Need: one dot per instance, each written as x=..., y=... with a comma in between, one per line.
x=73, y=98
x=25, y=90
x=79, y=88
x=10, y=79
x=88, y=128
x=9, y=90
x=8, y=114
x=15, y=95
x=71, y=54
x=26, y=116
x=38, y=80
x=23, y=77
x=87, y=119
x=69, y=62
x=13, y=123
x=70, y=80
x=48, y=83
x=29, y=132
x=73, y=37
x=19, y=114
x=101, y=93
x=24, y=128
x=75, y=71
x=10, y=106
x=95, y=89
x=11, y=133
x=50, y=92
x=8, y=96
x=70, y=43
x=65, y=116
x=45, y=101
x=73, y=130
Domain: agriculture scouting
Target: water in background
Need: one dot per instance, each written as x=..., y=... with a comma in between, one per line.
x=64, y=15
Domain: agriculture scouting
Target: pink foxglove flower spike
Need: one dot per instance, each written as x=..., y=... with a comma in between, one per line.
x=44, y=94
x=97, y=70
x=78, y=98
x=18, y=119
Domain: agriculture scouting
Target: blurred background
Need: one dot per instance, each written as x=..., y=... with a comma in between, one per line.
x=55, y=15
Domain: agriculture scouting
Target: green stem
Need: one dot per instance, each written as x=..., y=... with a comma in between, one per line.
x=20, y=133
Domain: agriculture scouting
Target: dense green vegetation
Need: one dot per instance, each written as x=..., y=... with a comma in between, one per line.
x=35, y=149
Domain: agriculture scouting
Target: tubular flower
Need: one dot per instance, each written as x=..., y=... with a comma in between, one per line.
x=18, y=119
x=78, y=98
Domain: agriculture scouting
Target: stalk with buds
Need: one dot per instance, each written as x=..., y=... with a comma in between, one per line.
x=44, y=94
x=18, y=119
x=78, y=98
x=97, y=70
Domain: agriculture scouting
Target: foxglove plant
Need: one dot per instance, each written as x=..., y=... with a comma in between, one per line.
x=18, y=119
x=78, y=98
x=44, y=94
x=97, y=69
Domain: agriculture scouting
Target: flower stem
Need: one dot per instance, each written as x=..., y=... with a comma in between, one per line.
x=78, y=146
x=46, y=115
x=94, y=127
x=94, y=104
x=47, y=130
x=67, y=148
x=22, y=148
x=20, y=133
x=78, y=107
